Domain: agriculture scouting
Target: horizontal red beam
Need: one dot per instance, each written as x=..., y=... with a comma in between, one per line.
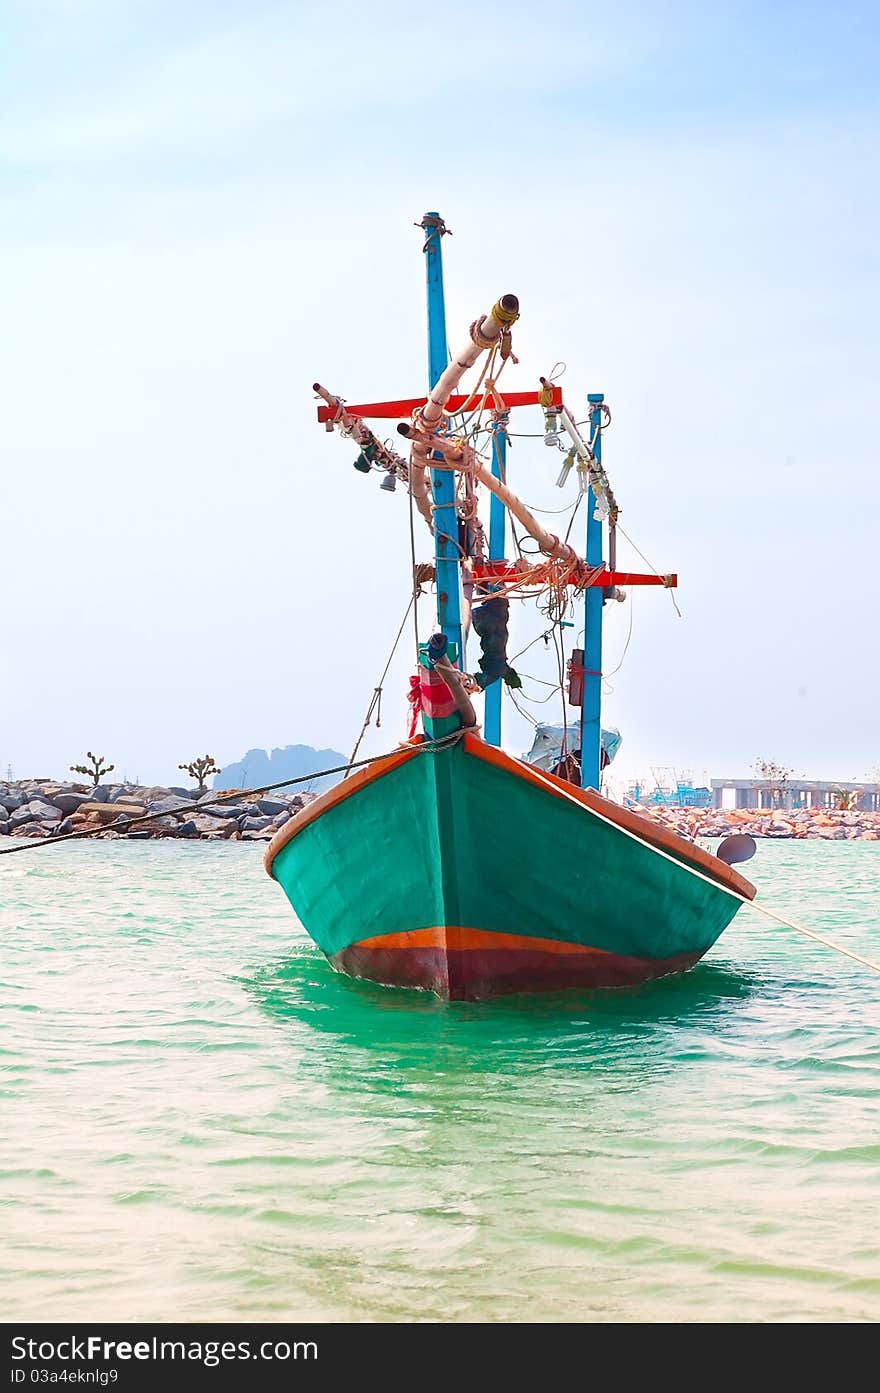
x=504, y=570
x=389, y=410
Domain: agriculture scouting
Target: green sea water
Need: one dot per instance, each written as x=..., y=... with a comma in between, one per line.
x=200, y=1120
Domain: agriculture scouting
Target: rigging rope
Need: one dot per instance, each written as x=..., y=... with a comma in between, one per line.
x=649, y=565
x=424, y=747
x=376, y=698
x=718, y=885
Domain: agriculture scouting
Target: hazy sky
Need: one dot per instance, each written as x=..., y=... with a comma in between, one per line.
x=205, y=207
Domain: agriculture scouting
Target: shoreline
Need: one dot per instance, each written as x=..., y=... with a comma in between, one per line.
x=44, y=808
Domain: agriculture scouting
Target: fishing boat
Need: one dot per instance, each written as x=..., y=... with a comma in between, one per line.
x=450, y=865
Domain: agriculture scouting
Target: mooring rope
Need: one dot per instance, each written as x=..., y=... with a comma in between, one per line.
x=719, y=885
x=424, y=747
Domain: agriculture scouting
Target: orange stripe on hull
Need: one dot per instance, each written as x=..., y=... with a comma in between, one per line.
x=459, y=939
x=461, y=964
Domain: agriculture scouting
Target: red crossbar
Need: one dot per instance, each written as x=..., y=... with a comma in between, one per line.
x=504, y=570
x=389, y=410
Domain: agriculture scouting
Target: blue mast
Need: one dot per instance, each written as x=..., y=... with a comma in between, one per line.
x=591, y=711
x=497, y=541
x=446, y=549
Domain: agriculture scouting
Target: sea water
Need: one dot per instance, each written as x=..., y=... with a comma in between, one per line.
x=200, y=1120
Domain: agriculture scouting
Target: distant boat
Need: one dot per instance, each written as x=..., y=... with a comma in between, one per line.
x=450, y=865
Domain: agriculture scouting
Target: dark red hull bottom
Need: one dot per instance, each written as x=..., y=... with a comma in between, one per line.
x=477, y=974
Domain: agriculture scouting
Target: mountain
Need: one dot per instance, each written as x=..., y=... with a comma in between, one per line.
x=259, y=767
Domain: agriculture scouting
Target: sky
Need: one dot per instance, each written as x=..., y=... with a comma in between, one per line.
x=205, y=208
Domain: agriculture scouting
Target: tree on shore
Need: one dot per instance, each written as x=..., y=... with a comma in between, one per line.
x=846, y=800
x=777, y=778
x=94, y=769
x=200, y=770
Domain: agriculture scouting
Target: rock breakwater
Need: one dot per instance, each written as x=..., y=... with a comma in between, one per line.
x=799, y=824
x=40, y=808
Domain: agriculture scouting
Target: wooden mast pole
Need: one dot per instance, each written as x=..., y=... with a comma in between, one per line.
x=497, y=546
x=446, y=549
x=594, y=599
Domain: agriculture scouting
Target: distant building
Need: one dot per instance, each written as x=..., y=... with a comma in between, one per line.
x=794, y=793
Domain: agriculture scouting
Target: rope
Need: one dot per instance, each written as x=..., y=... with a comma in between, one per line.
x=376, y=698
x=424, y=747
x=810, y=933
x=719, y=885
x=649, y=565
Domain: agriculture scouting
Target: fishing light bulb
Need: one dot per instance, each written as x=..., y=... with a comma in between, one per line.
x=389, y=483
x=551, y=428
x=565, y=470
x=583, y=477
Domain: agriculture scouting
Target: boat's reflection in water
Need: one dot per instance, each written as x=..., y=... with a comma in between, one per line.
x=386, y=1034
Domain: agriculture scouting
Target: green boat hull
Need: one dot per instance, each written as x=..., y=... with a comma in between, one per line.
x=464, y=872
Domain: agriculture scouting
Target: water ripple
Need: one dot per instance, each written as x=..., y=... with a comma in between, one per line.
x=202, y=1120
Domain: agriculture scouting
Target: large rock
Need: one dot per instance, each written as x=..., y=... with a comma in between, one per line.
x=125, y=793
x=31, y=829
x=188, y=829
x=255, y=824
x=4, y=827
x=99, y=794
x=223, y=832
x=160, y=806
x=109, y=812
x=69, y=802
x=227, y=810
x=272, y=806
x=257, y=835
x=205, y=824
x=12, y=800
